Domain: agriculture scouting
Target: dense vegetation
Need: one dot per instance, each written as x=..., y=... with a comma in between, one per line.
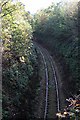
x=19, y=62
x=57, y=29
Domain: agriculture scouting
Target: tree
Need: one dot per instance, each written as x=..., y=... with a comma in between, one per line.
x=59, y=32
x=19, y=61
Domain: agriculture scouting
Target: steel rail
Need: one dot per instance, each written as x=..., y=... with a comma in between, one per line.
x=47, y=84
x=56, y=82
x=47, y=81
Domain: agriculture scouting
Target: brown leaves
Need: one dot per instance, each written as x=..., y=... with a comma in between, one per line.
x=72, y=110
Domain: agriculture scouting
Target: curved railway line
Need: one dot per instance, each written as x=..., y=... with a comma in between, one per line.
x=52, y=97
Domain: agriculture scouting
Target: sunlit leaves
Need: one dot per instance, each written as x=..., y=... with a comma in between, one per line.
x=18, y=57
x=72, y=111
x=16, y=30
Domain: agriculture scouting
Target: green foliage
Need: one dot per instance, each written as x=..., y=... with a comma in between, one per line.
x=16, y=30
x=19, y=61
x=57, y=28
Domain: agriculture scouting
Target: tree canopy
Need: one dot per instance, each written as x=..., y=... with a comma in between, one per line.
x=57, y=28
x=19, y=60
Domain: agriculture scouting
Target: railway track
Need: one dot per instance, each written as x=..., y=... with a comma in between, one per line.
x=52, y=100
x=55, y=79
